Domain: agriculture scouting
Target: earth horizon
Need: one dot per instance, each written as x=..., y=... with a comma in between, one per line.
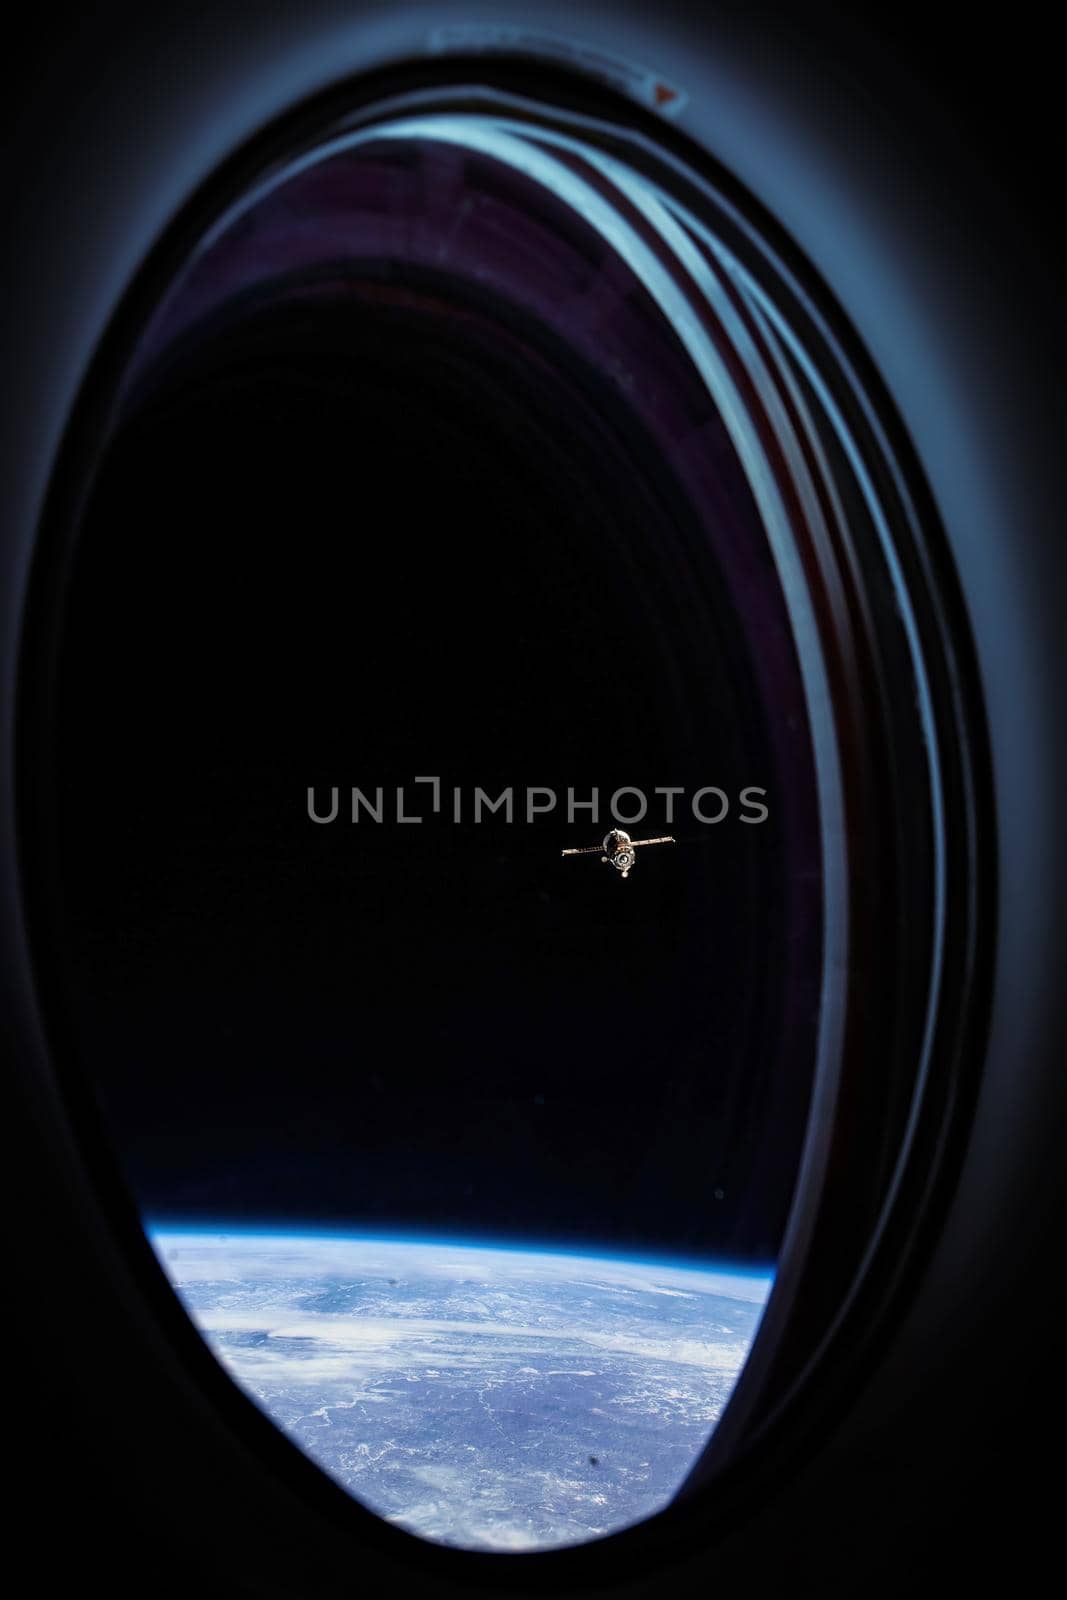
x=488, y=1396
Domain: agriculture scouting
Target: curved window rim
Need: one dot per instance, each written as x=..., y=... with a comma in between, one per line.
x=766, y=1426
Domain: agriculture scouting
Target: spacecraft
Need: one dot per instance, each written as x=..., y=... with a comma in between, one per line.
x=618, y=849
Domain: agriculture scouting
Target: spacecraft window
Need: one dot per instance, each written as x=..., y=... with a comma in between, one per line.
x=473, y=471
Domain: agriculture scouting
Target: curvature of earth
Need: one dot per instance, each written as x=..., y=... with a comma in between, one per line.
x=483, y=1397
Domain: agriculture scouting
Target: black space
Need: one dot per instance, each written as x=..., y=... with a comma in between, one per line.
x=354, y=540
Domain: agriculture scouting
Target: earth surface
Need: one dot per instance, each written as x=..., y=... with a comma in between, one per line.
x=490, y=1398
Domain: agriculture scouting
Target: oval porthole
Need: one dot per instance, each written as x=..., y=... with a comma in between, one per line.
x=501, y=822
